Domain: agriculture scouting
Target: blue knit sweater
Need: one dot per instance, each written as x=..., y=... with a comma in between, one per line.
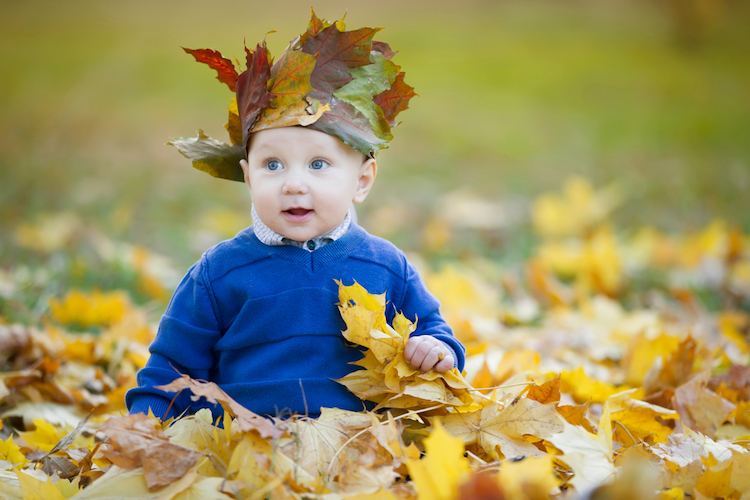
x=262, y=323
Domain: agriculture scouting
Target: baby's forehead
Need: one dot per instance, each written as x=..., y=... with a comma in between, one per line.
x=299, y=140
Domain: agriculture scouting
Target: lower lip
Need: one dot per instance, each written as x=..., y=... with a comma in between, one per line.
x=297, y=217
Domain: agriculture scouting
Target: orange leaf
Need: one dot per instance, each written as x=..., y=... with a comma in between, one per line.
x=549, y=392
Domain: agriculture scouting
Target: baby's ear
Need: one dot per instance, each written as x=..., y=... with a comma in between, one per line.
x=367, y=173
x=246, y=170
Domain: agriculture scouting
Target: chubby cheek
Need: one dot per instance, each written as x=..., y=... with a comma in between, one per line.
x=264, y=204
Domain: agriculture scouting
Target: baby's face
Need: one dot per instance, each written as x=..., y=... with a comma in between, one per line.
x=302, y=181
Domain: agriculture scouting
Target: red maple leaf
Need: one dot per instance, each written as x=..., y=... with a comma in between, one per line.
x=223, y=66
x=252, y=95
x=395, y=99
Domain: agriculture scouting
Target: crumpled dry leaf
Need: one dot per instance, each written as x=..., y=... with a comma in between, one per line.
x=246, y=419
x=135, y=441
x=700, y=408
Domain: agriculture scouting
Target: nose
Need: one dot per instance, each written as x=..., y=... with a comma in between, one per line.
x=294, y=182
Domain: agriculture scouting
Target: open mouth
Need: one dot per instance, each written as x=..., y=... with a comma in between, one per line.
x=298, y=211
x=297, y=214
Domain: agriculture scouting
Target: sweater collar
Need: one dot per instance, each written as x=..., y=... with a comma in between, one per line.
x=317, y=259
x=269, y=237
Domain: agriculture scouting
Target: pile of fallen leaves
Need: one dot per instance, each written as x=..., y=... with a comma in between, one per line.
x=605, y=366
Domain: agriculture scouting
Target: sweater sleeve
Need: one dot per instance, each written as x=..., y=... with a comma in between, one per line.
x=419, y=302
x=184, y=344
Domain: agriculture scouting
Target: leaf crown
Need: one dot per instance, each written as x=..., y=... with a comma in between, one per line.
x=342, y=83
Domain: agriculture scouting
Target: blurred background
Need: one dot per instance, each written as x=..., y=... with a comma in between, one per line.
x=647, y=100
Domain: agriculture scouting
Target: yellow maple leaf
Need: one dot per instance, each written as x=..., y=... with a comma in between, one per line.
x=672, y=494
x=11, y=452
x=198, y=433
x=742, y=413
x=84, y=309
x=532, y=478
x=441, y=472
x=462, y=293
x=594, y=263
x=716, y=481
x=713, y=241
x=388, y=378
x=44, y=436
x=574, y=211
x=636, y=419
x=495, y=427
x=643, y=351
x=35, y=489
x=641, y=423
x=583, y=388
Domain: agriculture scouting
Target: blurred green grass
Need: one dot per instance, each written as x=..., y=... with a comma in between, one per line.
x=515, y=97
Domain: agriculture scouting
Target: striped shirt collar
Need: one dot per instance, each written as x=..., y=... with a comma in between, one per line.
x=270, y=237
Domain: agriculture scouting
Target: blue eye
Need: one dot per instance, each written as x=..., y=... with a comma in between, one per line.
x=273, y=165
x=318, y=164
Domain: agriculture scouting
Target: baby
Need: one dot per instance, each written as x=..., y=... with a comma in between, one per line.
x=257, y=314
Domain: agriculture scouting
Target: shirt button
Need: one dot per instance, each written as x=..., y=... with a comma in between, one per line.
x=311, y=245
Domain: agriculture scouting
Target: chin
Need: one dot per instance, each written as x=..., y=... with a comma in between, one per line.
x=297, y=236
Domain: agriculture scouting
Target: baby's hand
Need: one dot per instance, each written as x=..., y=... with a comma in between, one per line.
x=425, y=353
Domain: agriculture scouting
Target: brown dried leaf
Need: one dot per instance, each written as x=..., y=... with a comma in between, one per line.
x=700, y=408
x=136, y=442
x=61, y=466
x=246, y=419
x=737, y=379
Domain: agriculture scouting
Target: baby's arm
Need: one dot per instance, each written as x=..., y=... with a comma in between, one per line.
x=184, y=345
x=432, y=345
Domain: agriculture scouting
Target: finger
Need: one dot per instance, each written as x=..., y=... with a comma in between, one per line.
x=445, y=364
x=431, y=359
x=411, y=346
x=421, y=348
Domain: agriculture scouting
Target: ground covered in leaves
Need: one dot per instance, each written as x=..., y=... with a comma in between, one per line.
x=608, y=364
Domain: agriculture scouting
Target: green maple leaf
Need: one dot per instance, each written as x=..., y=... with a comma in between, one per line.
x=211, y=156
x=349, y=125
x=370, y=80
x=223, y=66
x=395, y=99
